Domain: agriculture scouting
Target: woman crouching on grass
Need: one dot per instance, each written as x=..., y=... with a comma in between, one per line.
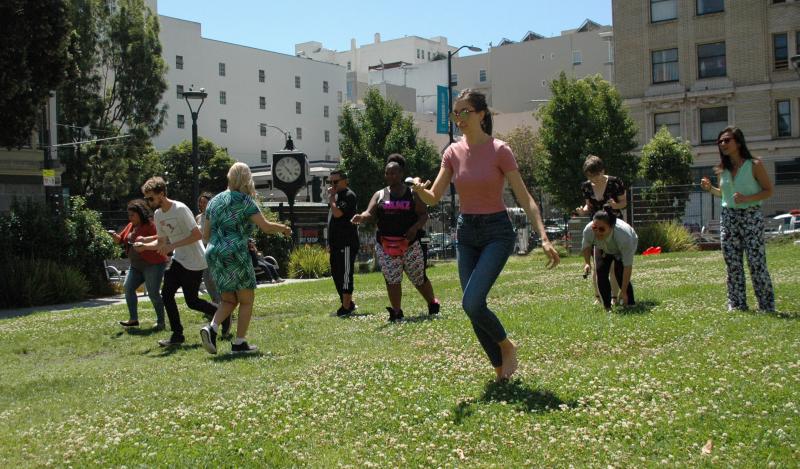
x=616, y=243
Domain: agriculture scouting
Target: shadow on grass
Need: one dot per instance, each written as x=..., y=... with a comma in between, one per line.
x=172, y=350
x=137, y=332
x=349, y=316
x=228, y=357
x=790, y=315
x=514, y=393
x=641, y=307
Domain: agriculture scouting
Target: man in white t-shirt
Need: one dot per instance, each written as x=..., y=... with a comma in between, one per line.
x=178, y=232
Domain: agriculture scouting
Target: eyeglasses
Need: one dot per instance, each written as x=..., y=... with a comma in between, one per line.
x=725, y=140
x=460, y=115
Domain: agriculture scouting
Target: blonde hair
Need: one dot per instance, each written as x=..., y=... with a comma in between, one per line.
x=241, y=180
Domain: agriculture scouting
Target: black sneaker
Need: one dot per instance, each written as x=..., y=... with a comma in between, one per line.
x=353, y=306
x=433, y=308
x=130, y=323
x=341, y=312
x=209, y=338
x=394, y=316
x=159, y=326
x=173, y=340
x=244, y=347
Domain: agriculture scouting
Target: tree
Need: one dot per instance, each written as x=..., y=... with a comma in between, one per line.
x=584, y=117
x=530, y=154
x=114, y=88
x=33, y=60
x=370, y=135
x=666, y=164
x=213, y=165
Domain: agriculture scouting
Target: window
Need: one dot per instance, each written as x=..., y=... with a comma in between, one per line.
x=417, y=53
x=349, y=65
x=482, y=76
x=710, y=6
x=262, y=102
x=712, y=121
x=454, y=79
x=324, y=86
x=264, y=156
x=223, y=97
x=672, y=120
x=780, y=49
x=179, y=62
x=297, y=81
x=542, y=58
x=784, y=118
x=262, y=129
x=223, y=126
x=298, y=107
x=179, y=91
x=544, y=83
x=327, y=136
x=325, y=111
x=262, y=76
x=181, y=121
x=577, y=57
x=339, y=96
x=787, y=172
x=665, y=65
x=663, y=10
x=711, y=60
x=222, y=69
x=778, y=1
x=299, y=133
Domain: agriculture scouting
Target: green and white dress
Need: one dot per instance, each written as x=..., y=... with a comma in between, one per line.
x=229, y=215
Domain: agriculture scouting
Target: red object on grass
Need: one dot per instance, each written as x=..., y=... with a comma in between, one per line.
x=652, y=250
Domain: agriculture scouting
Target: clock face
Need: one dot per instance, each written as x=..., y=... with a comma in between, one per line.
x=287, y=169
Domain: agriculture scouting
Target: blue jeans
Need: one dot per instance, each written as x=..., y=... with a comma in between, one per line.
x=151, y=276
x=483, y=246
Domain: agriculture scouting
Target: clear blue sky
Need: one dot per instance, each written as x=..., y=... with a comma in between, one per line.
x=278, y=25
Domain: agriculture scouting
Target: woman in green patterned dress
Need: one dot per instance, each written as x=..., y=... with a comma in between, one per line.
x=231, y=216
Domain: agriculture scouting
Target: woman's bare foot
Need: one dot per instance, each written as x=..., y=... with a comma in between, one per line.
x=509, y=352
x=498, y=371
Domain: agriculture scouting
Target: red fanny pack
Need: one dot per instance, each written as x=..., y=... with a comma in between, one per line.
x=394, y=245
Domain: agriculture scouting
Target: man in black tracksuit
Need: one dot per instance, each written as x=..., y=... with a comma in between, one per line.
x=342, y=239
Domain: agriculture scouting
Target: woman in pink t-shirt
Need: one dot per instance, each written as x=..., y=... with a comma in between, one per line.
x=479, y=165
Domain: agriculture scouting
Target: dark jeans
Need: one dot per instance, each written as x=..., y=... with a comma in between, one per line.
x=603, y=263
x=177, y=276
x=269, y=270
x=483, y=246
x=342, y=264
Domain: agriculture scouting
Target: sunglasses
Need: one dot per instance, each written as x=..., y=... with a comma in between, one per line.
x=460, y=115
x=725, y=140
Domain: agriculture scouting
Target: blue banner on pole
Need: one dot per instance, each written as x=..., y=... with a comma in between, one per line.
x=442, y=110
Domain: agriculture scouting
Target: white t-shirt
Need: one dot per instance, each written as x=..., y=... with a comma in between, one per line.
x=177, y=224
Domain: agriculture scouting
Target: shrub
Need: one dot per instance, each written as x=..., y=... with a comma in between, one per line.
x=669, y=235
x=33, y=282
x=309, y=261
x=88, y=244
x=273, y=244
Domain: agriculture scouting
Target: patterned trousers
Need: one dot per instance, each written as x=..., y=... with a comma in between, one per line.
x=742, y=230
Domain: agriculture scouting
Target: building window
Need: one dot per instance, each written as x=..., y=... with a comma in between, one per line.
x=712, y=121
x=672, y=120
x=324, y=86
x=262, y=129
x=663, y=10
x=711, y=60
x=299, y=133
x=179, y=62
x=222, y=69
x=787, y=172
x=339, y=96
x=327, y=136
x=482, y=76
x=705, y=7
x=298, y=107
x=541, y=59
x=544, y=83
x=179, y=91
x=223, y=97
x=577, y=57
x=454, y=79
x=780, y=49
x=223, y=126
x=784, y=118
x=349, y=65
x=262, y=76
x=665, y=65
x=181, y=121
x=417, y=53
x=262, y=102
x=326, y=111
x=264, y=156
x=297, y=81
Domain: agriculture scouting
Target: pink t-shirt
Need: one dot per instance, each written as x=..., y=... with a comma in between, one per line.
x=479, y=174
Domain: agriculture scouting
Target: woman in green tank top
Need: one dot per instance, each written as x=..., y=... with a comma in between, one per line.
x=743, y=185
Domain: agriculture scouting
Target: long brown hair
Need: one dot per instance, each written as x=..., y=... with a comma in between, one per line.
x=478, y=101
x=725, y=160
x=139, y=207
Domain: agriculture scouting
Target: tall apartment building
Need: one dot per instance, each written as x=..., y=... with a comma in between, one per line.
x=697, y=66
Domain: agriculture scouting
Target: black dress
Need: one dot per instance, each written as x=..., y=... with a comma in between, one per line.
x=614, y=189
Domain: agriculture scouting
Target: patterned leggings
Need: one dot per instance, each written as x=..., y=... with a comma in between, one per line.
x=743, y=230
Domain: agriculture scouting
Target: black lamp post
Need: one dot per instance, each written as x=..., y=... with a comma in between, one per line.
x=288, y=144
x=201, y=95
x=450, y=55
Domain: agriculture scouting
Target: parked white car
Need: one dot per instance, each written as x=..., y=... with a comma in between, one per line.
x=786, y=223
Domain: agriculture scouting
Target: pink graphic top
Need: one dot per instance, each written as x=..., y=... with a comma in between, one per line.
x=479, y=174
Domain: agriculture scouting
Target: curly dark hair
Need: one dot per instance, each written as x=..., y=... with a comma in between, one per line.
x=139, y=207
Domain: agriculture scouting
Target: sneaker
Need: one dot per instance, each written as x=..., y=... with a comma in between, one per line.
x=244, y=347
x=160, y=326
x=130, y=323
x=433, y=308
x=173, y=340
x=209, y=338
x=353, y=306
x=341, y=312
x=394, y=316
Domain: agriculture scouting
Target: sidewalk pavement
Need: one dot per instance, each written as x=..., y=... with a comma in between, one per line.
x=111, y=301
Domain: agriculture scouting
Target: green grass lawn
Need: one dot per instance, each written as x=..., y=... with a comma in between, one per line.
x=643, y=387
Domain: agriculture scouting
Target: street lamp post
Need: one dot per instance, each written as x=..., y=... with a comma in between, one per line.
x=201, y=95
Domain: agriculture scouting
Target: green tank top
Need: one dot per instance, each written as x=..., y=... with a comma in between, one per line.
x=744, y=183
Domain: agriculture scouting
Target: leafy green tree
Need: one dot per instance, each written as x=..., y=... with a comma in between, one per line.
x=33, y=60
x=530, y=154
x=213, y=165
x=666, y=164
x=584, y=117
x=370, y=135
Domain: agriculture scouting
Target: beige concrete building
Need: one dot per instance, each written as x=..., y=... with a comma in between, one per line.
x=698, y=66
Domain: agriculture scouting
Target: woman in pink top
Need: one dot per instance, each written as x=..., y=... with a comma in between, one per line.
x=479, y=165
